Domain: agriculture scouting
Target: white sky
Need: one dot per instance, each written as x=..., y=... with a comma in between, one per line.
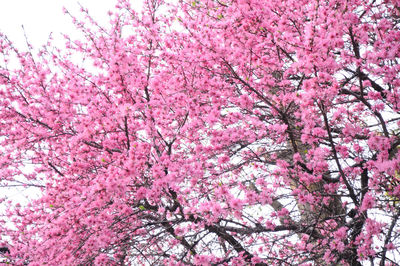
x=41, y=17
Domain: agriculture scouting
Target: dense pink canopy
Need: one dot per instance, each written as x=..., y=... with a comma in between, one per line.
x=260, y=132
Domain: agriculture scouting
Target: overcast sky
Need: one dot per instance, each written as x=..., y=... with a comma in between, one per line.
x=41, y=17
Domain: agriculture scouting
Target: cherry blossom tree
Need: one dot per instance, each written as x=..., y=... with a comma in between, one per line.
x=207, y=132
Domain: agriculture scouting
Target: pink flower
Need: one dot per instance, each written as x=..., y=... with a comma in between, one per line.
x=368, y=202
x=236, y=204
x=341, y=233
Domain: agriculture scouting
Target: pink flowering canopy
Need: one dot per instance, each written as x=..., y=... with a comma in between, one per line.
x=207, y=132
